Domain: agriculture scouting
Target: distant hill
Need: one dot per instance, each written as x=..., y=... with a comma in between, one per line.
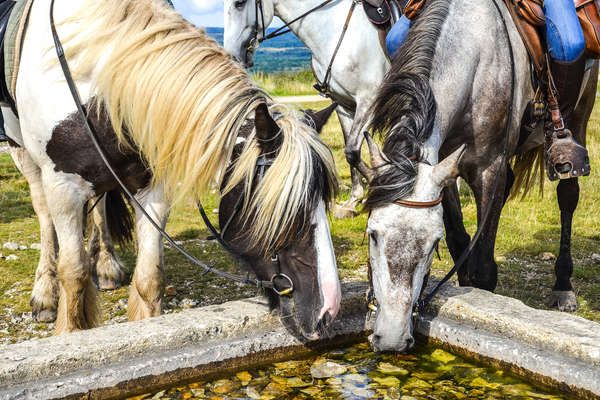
x=285, y=53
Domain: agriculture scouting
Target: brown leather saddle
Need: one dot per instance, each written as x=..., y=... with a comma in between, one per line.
x=561, y=148
x=528, y=16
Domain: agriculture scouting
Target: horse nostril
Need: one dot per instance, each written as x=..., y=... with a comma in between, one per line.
x=410, y=342
x=375, y=339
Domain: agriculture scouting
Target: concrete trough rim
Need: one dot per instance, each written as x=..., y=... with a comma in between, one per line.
x=135, y=357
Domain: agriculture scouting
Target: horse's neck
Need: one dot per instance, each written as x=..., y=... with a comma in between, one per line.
x=320, y=29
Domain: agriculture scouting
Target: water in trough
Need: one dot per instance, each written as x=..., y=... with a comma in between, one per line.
x=358, y=373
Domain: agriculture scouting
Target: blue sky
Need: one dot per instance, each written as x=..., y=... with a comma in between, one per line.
x=203, y=13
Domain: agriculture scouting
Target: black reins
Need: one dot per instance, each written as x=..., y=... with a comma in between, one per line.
x=282, y=30
x=321, y=87
x=270, y=284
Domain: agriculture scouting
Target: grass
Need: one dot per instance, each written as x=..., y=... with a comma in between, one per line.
x=287, y=84
x=527, y=229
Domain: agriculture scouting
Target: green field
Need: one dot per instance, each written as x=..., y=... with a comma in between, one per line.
x=527, y=229
x=287, y=84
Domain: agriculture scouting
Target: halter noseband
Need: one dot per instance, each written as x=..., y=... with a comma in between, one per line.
x=420, y=204
x=262, y=163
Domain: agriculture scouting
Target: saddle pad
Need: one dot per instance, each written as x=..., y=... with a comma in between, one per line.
x=13, y=40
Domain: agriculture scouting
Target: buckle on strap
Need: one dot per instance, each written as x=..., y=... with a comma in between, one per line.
x=283, y=292
x=561, y=127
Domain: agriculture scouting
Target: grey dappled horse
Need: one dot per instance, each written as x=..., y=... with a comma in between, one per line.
x=446, y=98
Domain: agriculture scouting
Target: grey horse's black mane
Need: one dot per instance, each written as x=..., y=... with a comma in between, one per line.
x=405, y=107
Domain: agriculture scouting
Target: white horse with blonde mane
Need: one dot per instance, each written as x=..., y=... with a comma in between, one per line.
x=166, y=103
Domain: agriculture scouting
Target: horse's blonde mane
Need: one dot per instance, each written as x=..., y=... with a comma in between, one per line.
x=181, y=99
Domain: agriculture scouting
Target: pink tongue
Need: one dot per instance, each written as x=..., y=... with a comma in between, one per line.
x=332, y=297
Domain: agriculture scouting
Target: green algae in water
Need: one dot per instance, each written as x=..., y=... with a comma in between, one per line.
x=357, y=373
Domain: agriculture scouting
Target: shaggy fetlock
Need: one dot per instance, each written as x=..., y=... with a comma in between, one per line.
x=344, y=211
x=141, y=307
x=108, y=271
x=44, y=298
x=82, y=312
x=563, y=300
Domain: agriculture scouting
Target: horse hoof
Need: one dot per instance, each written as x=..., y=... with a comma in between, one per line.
x=44, y=316
x=105, y=284
x=109, y=272
x=340, y=212
x=563, y=300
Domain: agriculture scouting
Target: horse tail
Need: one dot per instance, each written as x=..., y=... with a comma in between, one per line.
x=528, y=168
x=118, y=218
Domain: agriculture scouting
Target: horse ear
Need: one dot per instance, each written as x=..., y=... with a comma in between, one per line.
x=447, y=170
x=320, y=118
x=266, y=127
x=377, y=157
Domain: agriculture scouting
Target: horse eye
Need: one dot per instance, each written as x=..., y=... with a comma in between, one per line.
x=239, y=4
x=373, y=237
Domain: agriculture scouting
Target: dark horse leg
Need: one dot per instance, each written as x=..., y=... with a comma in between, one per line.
x=562, y=295
x=458, y=239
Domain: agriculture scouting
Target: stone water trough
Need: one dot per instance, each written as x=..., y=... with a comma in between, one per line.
x=557, y=349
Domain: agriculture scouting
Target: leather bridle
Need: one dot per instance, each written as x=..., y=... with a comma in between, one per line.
x=255, y=40
x=262, y=164
x=282, y=30
x=420, y=204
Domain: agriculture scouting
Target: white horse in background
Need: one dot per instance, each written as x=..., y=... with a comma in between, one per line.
x=359, y=66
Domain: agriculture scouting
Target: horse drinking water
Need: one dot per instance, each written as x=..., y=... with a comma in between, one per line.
x=452, y=89
x=166, y=104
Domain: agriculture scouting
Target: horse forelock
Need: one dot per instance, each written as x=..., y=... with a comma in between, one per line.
x=278, y=209
x=405, y=108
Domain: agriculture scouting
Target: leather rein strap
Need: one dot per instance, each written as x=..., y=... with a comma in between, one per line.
x=93, y=137
x=322, y=87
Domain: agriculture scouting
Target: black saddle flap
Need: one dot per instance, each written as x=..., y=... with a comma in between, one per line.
x=5, y=10
x=375, y=3
x=378, y=11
